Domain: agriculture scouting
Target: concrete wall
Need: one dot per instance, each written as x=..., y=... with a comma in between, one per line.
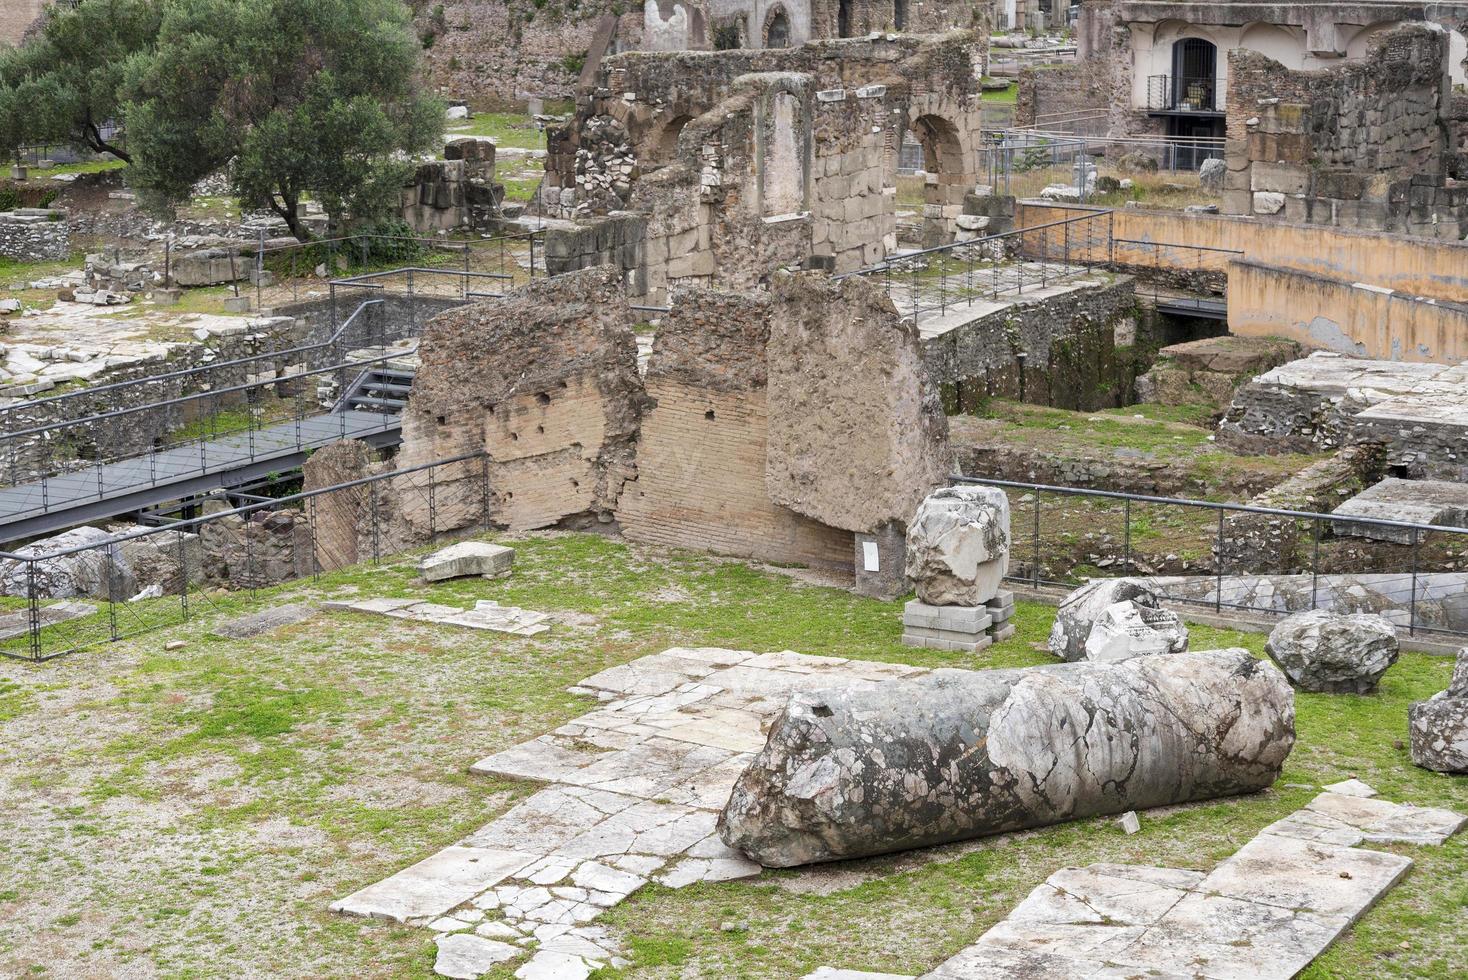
x=1421, y=266
x=1350, y=317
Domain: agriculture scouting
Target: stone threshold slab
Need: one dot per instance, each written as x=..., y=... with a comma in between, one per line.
x=486, y=614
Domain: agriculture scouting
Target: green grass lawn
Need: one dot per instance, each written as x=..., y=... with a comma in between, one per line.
x=505, y=128
x=191, y=813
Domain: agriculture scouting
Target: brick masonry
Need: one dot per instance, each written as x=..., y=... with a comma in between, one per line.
x=701, y=464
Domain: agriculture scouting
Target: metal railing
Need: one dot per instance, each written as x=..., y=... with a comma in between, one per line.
x=1182, y=93
x=227, y=559
x=1238, y=557
x=1031, y=149
x=516, y=257
x=938, y=281
x=389, y=310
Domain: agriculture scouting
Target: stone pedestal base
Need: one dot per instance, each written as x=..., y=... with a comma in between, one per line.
x=957, y=628
x=237, y=304
x=1001, y=610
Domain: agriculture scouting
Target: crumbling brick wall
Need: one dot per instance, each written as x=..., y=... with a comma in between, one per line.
x=545, y=380
x=702, y=461
x=1362, y=145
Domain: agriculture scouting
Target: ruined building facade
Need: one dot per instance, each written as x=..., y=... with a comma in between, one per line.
x=719, y=168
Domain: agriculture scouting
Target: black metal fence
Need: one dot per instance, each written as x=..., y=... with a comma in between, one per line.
x=1240, y=558
x=934, y=282
x=55, y=602
x=512, y=258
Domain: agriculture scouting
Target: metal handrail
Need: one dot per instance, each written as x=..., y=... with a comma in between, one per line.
x=918, y=253
x=197, y=396
x=273, y=502
x=153, y=378
x=1208, y=504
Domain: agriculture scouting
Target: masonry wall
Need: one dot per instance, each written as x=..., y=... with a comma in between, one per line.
x=702, y=456
x=1361, y=145
x=1070, y=336
x=34, y=239
x=544, y=380
x=1349, y=317
x=494, y=52
x=1424, y=267
x=16, y=16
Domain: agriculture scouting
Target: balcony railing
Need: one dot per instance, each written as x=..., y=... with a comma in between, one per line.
x=1182, y=93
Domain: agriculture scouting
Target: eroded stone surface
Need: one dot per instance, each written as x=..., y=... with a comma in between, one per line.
x=486, y=614
x=1438, y=727
x=1128, y=629
x=467, y=558
x=258, y=623
x=958, y=546
x=1265, y=913
x=1078, y=612
x=960, y=754
x=466, y=956
x=1328, y=652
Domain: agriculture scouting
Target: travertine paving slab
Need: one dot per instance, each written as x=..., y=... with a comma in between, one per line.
x=1266, y=912
x=634, y=790
x=486, y=614
x=435, y=884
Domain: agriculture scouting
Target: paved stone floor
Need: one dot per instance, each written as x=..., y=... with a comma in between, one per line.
x=486, y=614
x=635, y=788
x=1263, y=913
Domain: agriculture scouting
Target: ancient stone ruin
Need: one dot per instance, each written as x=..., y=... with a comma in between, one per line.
x=962, y=754
x=1438, y=727
x=1130, y=618
x=957, y=557
x=795, y=425
x=546, y=382
x=1333, y=653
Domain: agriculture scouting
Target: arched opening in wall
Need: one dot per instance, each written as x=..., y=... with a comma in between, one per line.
x=728, y=34
x=899, y=15
x=843, y=18
x=942, y=151
x=777, y=29
x=1283, y=44
x=945, y=177
x=666, y=147
x=1194, y=85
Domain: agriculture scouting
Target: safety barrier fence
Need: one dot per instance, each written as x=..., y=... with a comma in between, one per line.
x=1238, y=558
x=932, y=283
x=55, y=602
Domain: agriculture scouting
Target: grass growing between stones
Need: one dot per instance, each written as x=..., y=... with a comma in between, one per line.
x=193, y=812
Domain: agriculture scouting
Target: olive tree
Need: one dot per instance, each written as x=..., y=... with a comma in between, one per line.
x=297, y=97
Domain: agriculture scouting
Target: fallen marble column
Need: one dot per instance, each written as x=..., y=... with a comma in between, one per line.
x=959, y=754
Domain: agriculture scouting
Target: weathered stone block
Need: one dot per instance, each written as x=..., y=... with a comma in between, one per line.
x=1078, y=612
x=1268, y=202
x=468, y=558
x=1325, y=651
x=958, y=545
